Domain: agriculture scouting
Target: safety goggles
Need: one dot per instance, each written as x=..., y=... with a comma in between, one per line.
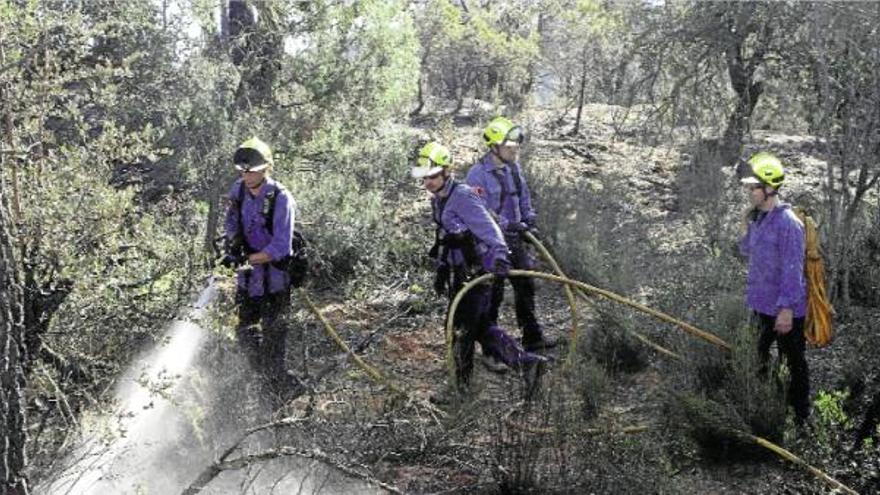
x=432, y=176
x=244, y=167
x=515, y=137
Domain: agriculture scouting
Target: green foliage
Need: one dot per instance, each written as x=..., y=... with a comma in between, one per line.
x=353, y=66
x=829, y=408
x=584, y=44
x=80, y=217
x=480, y=52
x=352, y=210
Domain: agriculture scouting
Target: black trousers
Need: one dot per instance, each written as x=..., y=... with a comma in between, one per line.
x=262, y=333
x=791, y=347
x=521, y=258
x=472, y=320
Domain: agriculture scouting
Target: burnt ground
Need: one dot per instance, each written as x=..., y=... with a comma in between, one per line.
x=638, y=230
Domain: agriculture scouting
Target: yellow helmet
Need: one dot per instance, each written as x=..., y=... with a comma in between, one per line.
x=433, y=159
x=766, y=169
x=252, y=155
x=501, y=131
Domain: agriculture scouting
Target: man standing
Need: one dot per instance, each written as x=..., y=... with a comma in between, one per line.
x=468, y=244
x=258, y=231
x=498, y=179
x=776, y=289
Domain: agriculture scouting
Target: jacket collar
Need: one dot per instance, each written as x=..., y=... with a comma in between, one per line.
x=447, y=188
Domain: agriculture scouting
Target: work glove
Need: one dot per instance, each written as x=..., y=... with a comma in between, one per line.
x=298, y=272
x=441, y=280
x=501, y=268
x=230, y=261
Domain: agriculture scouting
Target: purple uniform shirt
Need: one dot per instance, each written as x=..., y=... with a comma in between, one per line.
x=491, y=183
x=775, y=249
x=465, y=211
x=257, y=237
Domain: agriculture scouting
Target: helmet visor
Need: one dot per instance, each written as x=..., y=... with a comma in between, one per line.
x=514, y=137
x=427, y=171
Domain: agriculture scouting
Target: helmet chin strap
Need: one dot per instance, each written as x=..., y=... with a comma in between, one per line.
x=258, y=186
x=495, y=152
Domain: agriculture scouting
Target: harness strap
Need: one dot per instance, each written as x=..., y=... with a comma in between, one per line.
x=443, y=241
x=268, y=212
x=440, y=249
x=517, y=184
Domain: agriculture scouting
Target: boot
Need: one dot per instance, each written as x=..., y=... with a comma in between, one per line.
x=545, y=342
x=494, y=364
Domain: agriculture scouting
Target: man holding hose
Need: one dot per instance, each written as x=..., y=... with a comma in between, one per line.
x=258, y=230
x=499, y=181
x=468, y=243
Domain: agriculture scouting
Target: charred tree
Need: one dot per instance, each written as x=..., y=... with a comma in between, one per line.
x=13, y=359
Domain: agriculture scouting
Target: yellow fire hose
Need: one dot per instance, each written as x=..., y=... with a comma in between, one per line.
x=450, y=360
x=785, y=454
x=585, y=288
x=572, y=348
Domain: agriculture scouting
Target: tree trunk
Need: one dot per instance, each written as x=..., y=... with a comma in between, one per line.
x=422, y=82
x=581, y=93
x=747, y=93
x=420, y=99
x=12, y=346
x=221, y=181
x=13, y=355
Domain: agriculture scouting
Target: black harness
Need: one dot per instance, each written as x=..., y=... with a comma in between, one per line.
x=444, y=241
x=296, y=263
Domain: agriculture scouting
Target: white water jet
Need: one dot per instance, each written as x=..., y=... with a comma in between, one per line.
x=118, y=450
x=149, y=444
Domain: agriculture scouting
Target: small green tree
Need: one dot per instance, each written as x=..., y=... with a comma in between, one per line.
x=584, y=45
x=488, y=52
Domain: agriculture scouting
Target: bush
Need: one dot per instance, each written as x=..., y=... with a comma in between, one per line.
x=354, y=212
x=615, y=349
x=865, y=278
x=555, y=444
x=718, y=394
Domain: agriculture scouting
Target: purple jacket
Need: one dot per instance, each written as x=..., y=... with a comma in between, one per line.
x=257, y=237
x=775, y=249
x=491, y=183
x=463, y=211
